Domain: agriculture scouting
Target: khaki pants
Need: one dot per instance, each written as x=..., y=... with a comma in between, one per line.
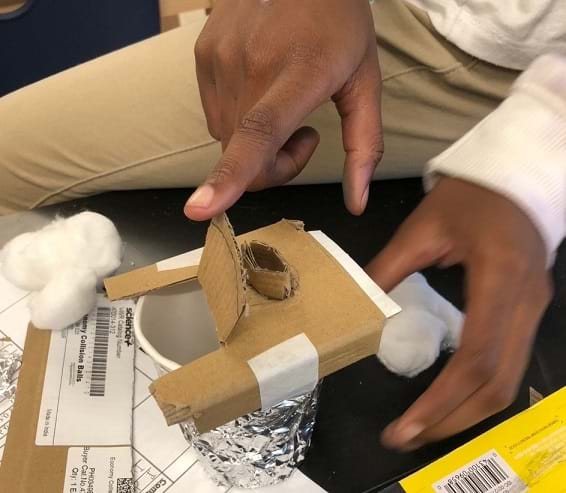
x=133, y=119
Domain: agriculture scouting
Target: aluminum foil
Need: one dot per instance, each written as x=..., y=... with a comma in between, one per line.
x=9, y=365
x=260, y=449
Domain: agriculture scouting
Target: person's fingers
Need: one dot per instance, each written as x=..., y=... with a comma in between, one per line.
x=500, y=390
x=416, y=245
x=261, y=133
x=290, y=160
x=207, y=87
x=227, y=95
x=359, y=106
x=228, y=117
x=491, y=298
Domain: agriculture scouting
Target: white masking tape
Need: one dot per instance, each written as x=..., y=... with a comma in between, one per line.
x=187, y=259
x=387, y=306
x=287, y=370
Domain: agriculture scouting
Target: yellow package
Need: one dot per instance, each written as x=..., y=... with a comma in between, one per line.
x=526, y=453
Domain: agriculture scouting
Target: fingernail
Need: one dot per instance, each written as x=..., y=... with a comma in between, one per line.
x=411, y=447
x=408, y=432
x=202, y=197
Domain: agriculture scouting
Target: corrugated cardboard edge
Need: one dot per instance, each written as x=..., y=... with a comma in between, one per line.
x=222, y=276
x=267, y=271
x=172, y=398
x=146, y=279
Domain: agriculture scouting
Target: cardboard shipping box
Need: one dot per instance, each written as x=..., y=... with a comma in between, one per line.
x=290, y=310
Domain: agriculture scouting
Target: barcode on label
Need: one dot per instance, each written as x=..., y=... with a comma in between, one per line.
x=100, y=352
x=487, y=474
x=125, y=485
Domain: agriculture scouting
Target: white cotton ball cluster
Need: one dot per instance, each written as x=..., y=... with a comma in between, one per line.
x=412, y=340
x=68, y=297
x=62, y=264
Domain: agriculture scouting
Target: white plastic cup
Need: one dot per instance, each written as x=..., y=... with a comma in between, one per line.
x=174, y=327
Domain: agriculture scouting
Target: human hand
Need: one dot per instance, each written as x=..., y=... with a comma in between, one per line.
x=262, y=68
x=507, y=291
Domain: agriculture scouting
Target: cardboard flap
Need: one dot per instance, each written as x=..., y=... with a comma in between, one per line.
x=222, y=276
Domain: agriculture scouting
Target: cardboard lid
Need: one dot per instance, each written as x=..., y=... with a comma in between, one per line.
x=307, y=290
x=329, y=309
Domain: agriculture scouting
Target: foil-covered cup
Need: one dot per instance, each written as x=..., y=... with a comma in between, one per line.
x=259, y=449
x=10, y=361
x=173, y=326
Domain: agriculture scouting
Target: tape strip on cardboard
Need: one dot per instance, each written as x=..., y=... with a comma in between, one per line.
x=387, y=306
x=298, y=358
x=187, y=259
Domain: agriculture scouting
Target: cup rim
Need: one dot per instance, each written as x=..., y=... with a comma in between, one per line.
x=148, y=348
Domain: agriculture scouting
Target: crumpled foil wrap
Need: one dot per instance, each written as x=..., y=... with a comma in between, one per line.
x=9, y=364
x=260, y=449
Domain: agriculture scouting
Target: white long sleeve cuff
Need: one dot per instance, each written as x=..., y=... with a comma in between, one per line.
x=519, y=150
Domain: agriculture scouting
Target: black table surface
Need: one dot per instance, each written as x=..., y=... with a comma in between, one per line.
x=359, y=401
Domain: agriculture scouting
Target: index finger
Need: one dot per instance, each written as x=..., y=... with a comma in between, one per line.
x=255, y=142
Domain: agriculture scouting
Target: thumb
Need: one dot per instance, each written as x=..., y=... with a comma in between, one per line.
x=359, y=106
x=411, y=249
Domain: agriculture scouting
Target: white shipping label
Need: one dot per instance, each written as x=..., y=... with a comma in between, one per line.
x=487, y=474
x=99, y=470
x=88, y=386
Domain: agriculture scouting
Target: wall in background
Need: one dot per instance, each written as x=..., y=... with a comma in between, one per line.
x=53, y=35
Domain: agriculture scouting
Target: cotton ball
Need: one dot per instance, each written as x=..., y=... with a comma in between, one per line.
x=62, y=263
x=416, y=291
x=38, y=260
x=16, y=263
x=102, y=244
x=454, y=322
x=51, y=251
x=411, y=341
x=68, y=297
x=87, y=240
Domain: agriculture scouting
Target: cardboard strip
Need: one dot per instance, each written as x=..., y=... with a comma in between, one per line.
x=387, y=306
x=287, y=370
x=146, y=279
